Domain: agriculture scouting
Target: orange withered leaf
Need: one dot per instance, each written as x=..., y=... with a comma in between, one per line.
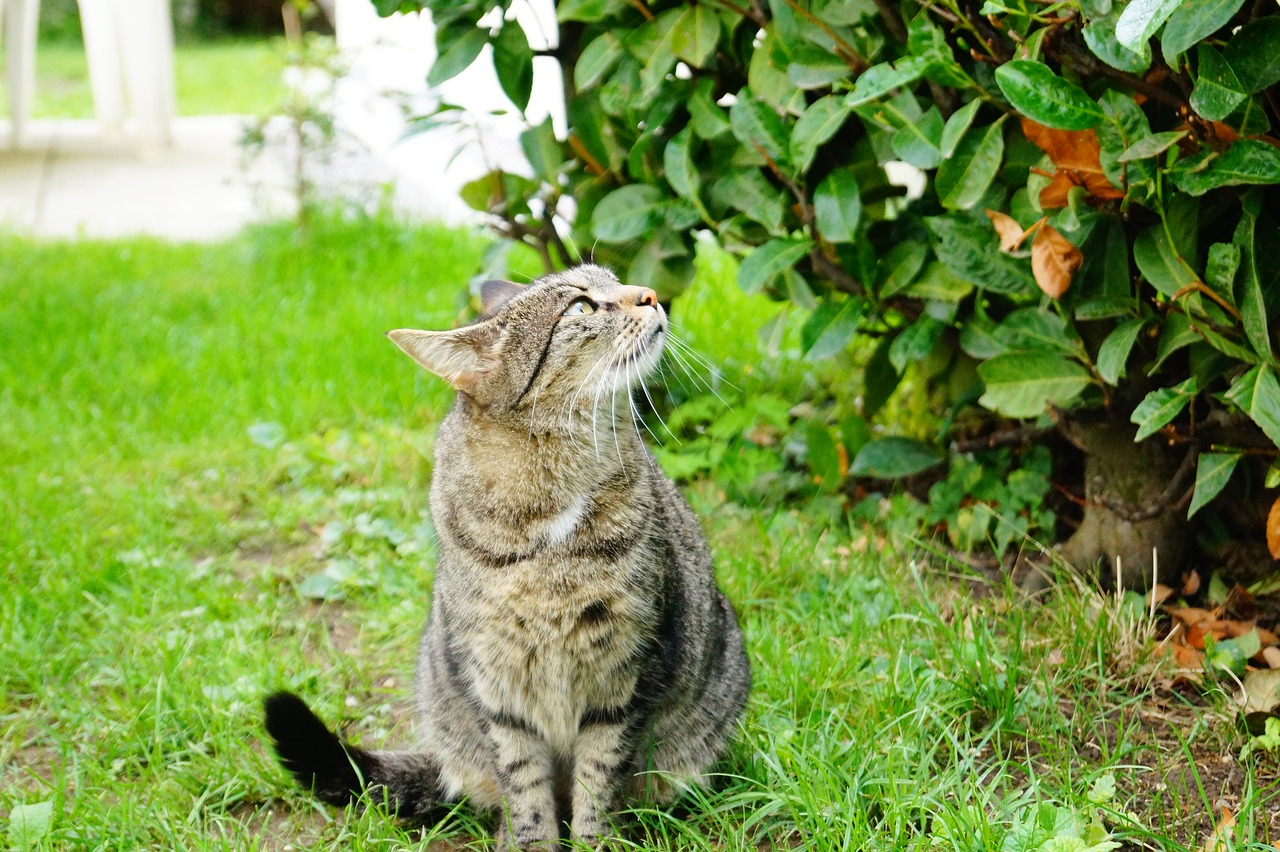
x=1011, y=233
x=1273, y=529
x=1077, y=159
x=1054, y=261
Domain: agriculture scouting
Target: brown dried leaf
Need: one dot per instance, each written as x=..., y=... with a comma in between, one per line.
x=1076, y=155
x=1272, y=656
x=1273, y=529
x=1158, y=595
x=1011, y=233
x=1190, y=583
x=1220, y=839
x=1054, y=261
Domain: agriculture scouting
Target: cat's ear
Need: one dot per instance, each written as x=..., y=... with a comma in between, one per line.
x=494, y=294
x=461, y=357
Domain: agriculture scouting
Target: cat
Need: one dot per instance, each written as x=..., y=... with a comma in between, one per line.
x=578, y=653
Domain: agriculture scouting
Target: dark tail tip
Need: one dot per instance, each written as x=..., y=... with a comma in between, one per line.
x=311, y=752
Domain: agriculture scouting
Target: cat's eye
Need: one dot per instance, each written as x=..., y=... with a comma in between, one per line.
x=580, y=307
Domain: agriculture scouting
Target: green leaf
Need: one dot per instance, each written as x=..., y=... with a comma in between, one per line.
x=957, y=125
x=695, y=34
x=1218, y=91
x=597, y=60
x=1213, y=470
x=894, y=458
x=819, y=123
x=628, y=213
x=899, y=266
x=1160, y=263
x=456, y=52
x=937, y=284
x=1253, y=305
x=831, y=327
x=1254, y=54
x=1113, y=354
x=29, y=824
x=1257, y=394
x=678, y=166
x=1247, y=161
x=881, y=79
x=880, y=379
x=1043, y=96
x=1100, y=36
x=1024, y=384
x=915, y=342
x=968, y=248
x=708, y=120
x=588, y=10
x=513, y=64
x=1220, y=270
x=1140, y=20
x=765, y=263
x=756, y=125
x=837, y=206
x=823, y=457
x=963, y=179
x=1193, y=21
x=1033, y=328
x=1150, y=146
x=749, y=191
x=542, y=150
x=1160, y=406
x=919, y=142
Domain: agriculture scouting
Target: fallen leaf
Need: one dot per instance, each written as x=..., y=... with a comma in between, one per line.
x=1190, y=583
x=1054, y=261
x=1273, y=529
x=1186, y=656
x=1271, y=655
x=1076, y=156
x=1158, y=595
x=1011, y=233
x=1220, y=839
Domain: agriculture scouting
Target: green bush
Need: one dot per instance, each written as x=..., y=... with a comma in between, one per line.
x=1089, y=251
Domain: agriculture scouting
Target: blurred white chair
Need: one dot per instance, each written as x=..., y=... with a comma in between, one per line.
x=129, y=46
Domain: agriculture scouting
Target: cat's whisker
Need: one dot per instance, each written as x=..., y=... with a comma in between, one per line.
x=654, y=408
x=613, y=411
x=689, y=352
x=702, y=361
x=636, y=420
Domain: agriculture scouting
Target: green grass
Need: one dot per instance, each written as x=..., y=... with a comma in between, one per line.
x=223, y=77
x=200, y=443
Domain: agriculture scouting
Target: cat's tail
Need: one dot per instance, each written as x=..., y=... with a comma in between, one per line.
x=337, y=772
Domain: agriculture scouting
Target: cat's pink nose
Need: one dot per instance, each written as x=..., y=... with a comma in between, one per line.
x=647, y=298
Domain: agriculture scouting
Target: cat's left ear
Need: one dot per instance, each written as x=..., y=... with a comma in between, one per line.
x=462, y=357
x=494, y=294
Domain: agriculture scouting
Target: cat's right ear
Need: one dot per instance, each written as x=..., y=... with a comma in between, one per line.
x=494, y=294
x=461, y=357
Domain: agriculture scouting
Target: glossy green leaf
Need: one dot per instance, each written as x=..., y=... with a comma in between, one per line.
x=837, y=206
x=695, y=34
x=1213, y=471
x=1254, y=54
x=831, y=327
x=1192, y=21
x=678, y=166
x=766, y=262
x=957, y=126
x=920, y=142
x=963, y=179
x=1100, y=37
x=894, y=458
x=757, y=126
x=970, y=250
x=1025, y=384
x=1253, y=304
x=542, y=150
x=1246, y=161
x=1160, y=263
x=820, y=122
x=1043, y=96
x=588, y=10
x=707, y=118
x=1034, y=328
x=1113, y=354
x=881, y=380
x=1140, y=20
x=1220, y=270
x=513, y=64
x=1257, y=394
x=1161, y=406
x=1218, y=91
x=1150, y=146
x=628, y=213
x=881, y=79
x=597, y=60
x=456, y=52
x=823, y=457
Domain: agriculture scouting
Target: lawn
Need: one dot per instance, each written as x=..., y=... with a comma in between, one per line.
x=213, y=475
x=219, y=77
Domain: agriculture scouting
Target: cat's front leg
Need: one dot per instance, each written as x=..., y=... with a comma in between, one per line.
x=601, y=768
x=526, y=773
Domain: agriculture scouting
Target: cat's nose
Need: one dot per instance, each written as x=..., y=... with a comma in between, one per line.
x=647, y=298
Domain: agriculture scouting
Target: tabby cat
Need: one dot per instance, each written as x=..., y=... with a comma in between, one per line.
x=579, y=652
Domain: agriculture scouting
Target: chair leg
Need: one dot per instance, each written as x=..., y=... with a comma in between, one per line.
x=21, y=17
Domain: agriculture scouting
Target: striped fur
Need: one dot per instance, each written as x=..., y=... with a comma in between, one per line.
x=579, y=653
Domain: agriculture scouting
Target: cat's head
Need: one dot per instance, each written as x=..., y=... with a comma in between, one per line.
x=572, y=336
